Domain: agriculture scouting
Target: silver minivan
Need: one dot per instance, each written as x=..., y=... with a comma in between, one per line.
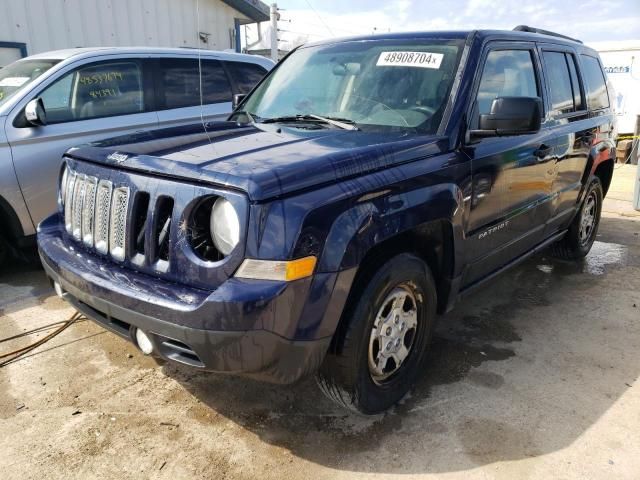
x=52, y=101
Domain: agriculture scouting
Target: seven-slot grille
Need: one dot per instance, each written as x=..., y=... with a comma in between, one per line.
x=95, y=213
x=140, y=222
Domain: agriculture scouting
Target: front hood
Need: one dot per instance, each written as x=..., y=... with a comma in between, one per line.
x=265, y=161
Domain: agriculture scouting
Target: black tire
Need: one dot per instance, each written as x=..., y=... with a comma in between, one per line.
x=4, y=252
x=578, y=241
x=345, y=376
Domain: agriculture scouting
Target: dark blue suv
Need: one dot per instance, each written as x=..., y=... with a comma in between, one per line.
x=362, y=187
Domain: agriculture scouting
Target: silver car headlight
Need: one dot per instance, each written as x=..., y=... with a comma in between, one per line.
x=225, y=226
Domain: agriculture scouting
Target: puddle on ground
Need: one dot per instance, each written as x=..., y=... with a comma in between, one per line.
x=545, y=268
x=601, y=256
x=450, y=360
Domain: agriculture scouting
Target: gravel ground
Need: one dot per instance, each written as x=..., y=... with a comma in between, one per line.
x=534, y=375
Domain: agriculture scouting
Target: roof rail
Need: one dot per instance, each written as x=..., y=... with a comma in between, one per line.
x=526, y=28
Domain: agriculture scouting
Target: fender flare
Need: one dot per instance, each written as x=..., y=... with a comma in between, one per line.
x=367, y=224
x=597, y=156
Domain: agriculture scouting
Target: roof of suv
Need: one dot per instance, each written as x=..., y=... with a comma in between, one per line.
x=464, y=34
x=79, y=53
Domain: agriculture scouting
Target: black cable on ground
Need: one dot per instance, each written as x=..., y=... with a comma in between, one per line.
x=35, y=330
x=24, y=350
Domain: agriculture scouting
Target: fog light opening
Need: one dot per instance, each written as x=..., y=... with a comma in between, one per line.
x=144, y=342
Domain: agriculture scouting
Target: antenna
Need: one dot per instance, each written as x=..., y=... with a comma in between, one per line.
x=204, y=126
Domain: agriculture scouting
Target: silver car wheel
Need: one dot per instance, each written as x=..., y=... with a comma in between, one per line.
x=588, y=218
x=393, y=333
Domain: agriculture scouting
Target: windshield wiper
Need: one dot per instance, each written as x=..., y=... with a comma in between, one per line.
x=343, y=123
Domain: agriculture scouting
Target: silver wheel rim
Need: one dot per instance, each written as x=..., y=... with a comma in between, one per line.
x=588, y=218
x=393, y=333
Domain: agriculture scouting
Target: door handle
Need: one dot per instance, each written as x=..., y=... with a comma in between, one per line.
x=542, y=151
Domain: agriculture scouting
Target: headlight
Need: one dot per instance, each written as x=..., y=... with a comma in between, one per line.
x=225, y=226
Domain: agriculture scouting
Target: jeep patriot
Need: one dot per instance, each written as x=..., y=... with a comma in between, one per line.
x=364, y=186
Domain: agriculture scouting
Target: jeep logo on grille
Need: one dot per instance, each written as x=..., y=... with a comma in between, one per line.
x=118, y=157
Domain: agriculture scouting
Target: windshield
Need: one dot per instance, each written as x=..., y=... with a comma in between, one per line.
x=380, y=85
x=19, y=74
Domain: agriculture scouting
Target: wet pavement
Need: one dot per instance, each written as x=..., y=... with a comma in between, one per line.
x=534, y=375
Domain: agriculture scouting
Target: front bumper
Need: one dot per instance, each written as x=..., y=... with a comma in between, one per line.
x=262, y=329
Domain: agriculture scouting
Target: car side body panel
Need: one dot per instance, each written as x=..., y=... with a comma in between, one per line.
x=13, y=209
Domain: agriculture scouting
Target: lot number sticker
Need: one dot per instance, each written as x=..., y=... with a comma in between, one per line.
x=13, y=81
x=410, y=59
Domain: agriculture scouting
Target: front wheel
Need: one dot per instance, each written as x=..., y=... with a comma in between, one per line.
x=380, y=348
x=582, y=232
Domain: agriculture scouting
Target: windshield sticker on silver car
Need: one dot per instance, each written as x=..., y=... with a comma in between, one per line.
x=410, y=59
x=13, y=81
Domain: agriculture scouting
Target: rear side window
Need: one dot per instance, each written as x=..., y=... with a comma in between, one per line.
x=597, y=96
x=563, y=82
x=180, y=83
x=575, y=83
x=506, y=73
x=95, y=91
x=245, y=76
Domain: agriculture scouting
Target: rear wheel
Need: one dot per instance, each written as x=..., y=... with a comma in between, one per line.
x=378, y=353
x=4, y=251
x=582, y=233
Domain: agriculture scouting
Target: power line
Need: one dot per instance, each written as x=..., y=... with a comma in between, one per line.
x=319, y=17
x=300, y=33
x=335, y=28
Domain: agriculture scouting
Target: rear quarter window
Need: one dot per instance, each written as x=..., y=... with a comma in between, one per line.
x=180, y=82
x=595, y=82
x=245, y=76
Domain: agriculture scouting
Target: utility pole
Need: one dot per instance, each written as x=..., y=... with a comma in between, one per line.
x=635, y=158
x=274, y=32
x=636, y=193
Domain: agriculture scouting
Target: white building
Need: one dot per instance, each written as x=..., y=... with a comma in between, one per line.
x=622, y=63
x=34, y=26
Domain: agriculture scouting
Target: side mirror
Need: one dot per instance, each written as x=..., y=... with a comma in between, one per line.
x=35, y=113
x=510, y=116
x=237, y=99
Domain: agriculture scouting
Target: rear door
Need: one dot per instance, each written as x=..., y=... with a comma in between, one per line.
x=573, y=132
x=511, y=175
x=84, y=103
x=178, y=85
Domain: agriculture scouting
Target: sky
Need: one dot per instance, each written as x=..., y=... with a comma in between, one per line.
x=589, y=20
